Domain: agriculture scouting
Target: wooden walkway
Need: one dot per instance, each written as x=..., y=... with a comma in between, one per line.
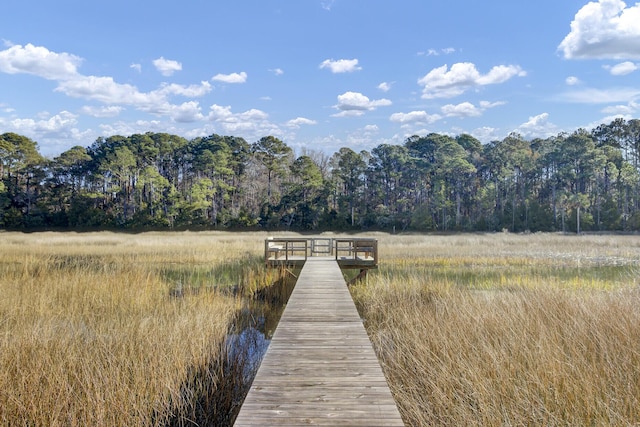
x=320, y=368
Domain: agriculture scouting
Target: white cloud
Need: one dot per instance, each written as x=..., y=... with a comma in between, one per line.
x=622, y=68
x=138, y=126
x=277, y=71
x=385, y=86
x=53, y=132
x=251, y=123
x=443, y=82
x=108, y=111
x=51, y=125
x=186, y=112
x=39, y=61
x=607, y=119
x=415, y=117
x=485, y=134
x=299, y=121
x=619, y=110
x=327, y=4
x=191, y=91
x=363, y=138
x=486, y=104
x=355, y=104
x=572, y=81
x=57, y=132
x=538, y=127
x=600, y=96
x=137, y=67
x=231, y=78
x=341, y=65
x=167, y=67
x=606, y=29
x=500, y=74
x=436, y=52
x=465, y=109
x=535, y=121
x=106, y=90
x=63, y=68
x=5, y=108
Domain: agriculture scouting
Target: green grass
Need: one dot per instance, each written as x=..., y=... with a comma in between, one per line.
x=516, y=273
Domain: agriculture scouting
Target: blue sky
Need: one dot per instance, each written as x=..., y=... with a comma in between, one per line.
x=318, y=74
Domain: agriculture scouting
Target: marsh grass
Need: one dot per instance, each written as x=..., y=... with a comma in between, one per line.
x=93, y=332
x=508, y=329
x=111, y=329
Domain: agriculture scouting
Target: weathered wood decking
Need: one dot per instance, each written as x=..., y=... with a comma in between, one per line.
x=320, y=368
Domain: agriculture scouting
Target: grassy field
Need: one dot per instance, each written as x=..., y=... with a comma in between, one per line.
x=500, y=329
x=508, y=329
x=112, y=329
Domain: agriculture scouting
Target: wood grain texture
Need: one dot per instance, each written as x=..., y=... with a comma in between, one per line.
x=320, y=368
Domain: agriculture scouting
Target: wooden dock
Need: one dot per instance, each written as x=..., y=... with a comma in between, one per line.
x=353, y=252
x=320, y=368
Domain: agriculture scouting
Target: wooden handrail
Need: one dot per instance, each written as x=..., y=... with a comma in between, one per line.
x=355, y=246
x=354, y=252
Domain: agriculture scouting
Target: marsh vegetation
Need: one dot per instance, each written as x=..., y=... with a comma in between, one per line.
x=112, y=329
x=472, y=329
x=508, y=329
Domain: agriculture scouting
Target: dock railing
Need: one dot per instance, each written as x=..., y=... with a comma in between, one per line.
x=351, y=252
x=357, y=250
x=321, y=246
x=285, y=249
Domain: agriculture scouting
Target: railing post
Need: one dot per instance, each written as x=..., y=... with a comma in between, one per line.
x=375, y=251
x=266, y=252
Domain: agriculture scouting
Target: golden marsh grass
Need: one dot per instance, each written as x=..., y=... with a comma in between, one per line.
x=106, y=329
x=501, y=329
x=508, y=329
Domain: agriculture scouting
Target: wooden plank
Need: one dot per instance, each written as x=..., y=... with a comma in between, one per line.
x=320, y=368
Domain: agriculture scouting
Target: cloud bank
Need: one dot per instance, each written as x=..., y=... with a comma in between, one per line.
x=606, y=29
x=445, y=82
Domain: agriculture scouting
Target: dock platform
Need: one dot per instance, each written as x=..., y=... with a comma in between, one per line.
x=353, y=252
x=320, y=367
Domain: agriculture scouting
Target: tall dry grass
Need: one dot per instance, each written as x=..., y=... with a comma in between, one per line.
x=508, y=329
x=109, y=329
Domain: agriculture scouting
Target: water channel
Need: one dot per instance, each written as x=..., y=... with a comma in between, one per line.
x=217, y=391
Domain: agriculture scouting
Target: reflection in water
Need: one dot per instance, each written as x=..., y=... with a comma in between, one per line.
x=249, y=339
x=214, y=394
x=249, y=345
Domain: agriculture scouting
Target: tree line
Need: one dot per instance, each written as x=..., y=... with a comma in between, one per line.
x=585, y=180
